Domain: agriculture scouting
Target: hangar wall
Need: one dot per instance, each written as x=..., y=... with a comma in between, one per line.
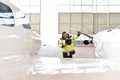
x=34, y=19
x=87, y=22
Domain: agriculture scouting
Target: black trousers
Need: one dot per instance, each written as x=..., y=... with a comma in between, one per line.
x=68, y=54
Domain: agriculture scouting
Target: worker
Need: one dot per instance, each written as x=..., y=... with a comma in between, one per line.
x=66, y=43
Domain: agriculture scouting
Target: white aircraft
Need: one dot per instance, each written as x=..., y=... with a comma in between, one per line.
x=16, y=35
x=107, y=44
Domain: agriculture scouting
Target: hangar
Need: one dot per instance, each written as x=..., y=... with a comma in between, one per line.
x=59, y=39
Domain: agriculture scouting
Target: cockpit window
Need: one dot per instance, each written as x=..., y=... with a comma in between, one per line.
x=6, y=15
x=4, y=8
x=27, y=26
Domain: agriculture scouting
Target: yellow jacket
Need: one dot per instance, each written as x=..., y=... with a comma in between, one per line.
x=70, y=47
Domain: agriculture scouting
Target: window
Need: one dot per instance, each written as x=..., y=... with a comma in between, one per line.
x=4, y=8
x=27, y=26
x=6, y=15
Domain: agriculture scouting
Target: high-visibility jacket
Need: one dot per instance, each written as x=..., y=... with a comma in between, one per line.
x=70, y=47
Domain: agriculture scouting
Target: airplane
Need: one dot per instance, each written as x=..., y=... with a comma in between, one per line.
x=16, y=34
x=107, y=44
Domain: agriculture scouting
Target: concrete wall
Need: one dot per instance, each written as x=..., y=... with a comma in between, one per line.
x=87, y=22
x=34, y=19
